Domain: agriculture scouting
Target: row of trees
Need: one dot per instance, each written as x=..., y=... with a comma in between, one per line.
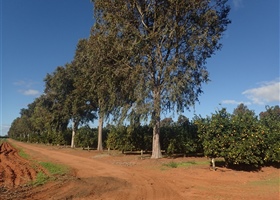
x=241, y=138
x=142, y=58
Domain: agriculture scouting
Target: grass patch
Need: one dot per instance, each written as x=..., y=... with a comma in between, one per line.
x=55, y=169
x=22, y=154
x=269, y=182
x=41, y=179
x=173, y=164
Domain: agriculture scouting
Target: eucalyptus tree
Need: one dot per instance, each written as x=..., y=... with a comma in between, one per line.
x=41, y=120
x=87, y=65
x=67, y=101
x=56, y=91
x=105, y=84
x=82, y=108
x=170, y=41
x=17, y=129
x=22, y=127
x=89, y=80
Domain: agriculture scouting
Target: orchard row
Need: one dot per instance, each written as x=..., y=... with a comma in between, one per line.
x=241, y=138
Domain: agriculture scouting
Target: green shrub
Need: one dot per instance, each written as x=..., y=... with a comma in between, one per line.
x=270, y=120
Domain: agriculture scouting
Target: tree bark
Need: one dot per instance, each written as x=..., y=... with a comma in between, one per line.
x=73, y=134
x=156, y=152
x=100, y=127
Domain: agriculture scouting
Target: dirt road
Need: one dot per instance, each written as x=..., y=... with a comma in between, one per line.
x=102, y=176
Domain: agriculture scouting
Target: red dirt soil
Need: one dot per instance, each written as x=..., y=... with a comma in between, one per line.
x=99, y=176
x=14, y=170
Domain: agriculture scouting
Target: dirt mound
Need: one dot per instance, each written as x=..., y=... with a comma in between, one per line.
x=14, y=170
x=16, y=173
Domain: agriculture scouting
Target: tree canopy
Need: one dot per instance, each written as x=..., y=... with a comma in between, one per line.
x=142, y=58
x=170, y=41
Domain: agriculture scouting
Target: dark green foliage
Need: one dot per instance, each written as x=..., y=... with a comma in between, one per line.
x=270, y=120
x=141, y=137
x=119, y=138
x=241, y=139
x=176, y=138
x=180, y=138
x=86, y=137
x=214, y=134
x=130, y=138
x=246, y=141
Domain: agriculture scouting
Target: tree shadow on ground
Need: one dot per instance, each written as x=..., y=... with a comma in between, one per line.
x=273, y=164
x=244, y=167
x=220, y=163
x=178, y=155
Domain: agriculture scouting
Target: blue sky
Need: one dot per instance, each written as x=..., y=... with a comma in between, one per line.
x=39, y=35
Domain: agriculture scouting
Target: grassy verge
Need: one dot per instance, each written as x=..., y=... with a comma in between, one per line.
x=54, y=170
x=173, y=164
x=22, y=154
x=41, y=179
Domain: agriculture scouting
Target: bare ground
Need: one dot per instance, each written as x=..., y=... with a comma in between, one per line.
x=99, y=176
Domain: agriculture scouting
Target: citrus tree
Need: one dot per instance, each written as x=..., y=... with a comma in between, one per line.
x=270, y=119
x=246, y=140
x=214, y=133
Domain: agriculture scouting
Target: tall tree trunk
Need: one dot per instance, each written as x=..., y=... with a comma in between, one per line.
x=100, y=127
x=74, y=125
x=156, y=152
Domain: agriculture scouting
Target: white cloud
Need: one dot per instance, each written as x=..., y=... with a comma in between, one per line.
x=4, y=129
x=268, y=92
x=237, y=4
x=30, y=92
x=234, y=102
x=26, y=87
x=25, y=83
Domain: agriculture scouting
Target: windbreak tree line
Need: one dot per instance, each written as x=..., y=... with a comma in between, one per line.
x=142, y=58
x=241, y=138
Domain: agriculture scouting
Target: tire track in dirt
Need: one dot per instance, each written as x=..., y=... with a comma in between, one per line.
x=99, y=180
